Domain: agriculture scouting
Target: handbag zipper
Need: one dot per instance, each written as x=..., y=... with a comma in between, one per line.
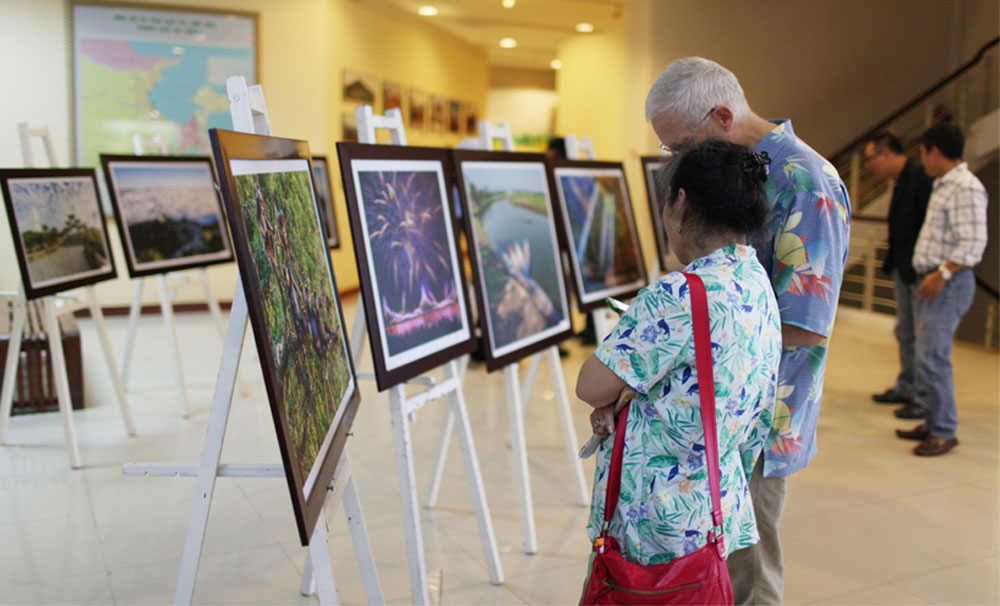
x=643, y=592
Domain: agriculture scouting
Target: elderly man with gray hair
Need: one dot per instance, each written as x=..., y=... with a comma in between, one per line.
x=804, y=252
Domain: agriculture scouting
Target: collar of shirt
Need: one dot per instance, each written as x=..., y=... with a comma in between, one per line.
x=782, y=135
x=952, y=175
x=727, y=255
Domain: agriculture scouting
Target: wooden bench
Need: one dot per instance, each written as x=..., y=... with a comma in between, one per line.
x=35, y=385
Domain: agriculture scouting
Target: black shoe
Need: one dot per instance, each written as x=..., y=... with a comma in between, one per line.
x=891, y=396
x=909, y=411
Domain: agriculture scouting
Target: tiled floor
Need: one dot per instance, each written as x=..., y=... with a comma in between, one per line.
x=866, y=523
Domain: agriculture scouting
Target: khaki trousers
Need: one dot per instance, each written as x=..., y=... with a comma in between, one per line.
x=757, y=572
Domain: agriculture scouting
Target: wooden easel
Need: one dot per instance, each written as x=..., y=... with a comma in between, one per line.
x=52, y=311
x=249, y=114
x=516, y=397
x=403, y=410
x=168, y=284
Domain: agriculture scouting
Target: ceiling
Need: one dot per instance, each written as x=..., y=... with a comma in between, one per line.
x=538, y=26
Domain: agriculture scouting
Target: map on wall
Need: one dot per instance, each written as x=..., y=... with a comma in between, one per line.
x=155, y=72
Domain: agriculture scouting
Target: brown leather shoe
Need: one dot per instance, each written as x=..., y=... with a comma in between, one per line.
x=917, y=433
x=933, y=446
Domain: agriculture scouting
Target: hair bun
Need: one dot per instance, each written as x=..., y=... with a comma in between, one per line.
x=756, y=165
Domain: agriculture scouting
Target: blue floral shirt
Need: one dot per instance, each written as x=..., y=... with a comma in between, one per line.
x=664, y=507
x=804, y=256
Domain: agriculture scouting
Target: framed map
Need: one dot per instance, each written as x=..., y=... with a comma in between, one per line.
x=151, y=70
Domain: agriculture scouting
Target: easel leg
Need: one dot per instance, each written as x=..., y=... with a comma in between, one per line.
x=358, y=332
x=10, y=368
x=519, y=451
x=408, y=496
x=529, y=384
x=214, y=435
x=216, y=311
x=566, y=421
x=58, y=362
x=322, y=570
x=444, y=442
x=109, y=356
x=362, y=546
x=167, y=309
x=475, y=479
x=133, y=321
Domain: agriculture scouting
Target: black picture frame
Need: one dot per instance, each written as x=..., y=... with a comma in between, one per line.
x=498, y=355
x=409, y=360
x=324, y=198
x=13, y=182
x=254, y=155
x=111, y=164
x=589, y=299
x=650, y=167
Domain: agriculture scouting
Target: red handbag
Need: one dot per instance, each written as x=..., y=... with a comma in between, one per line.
x=700, y=577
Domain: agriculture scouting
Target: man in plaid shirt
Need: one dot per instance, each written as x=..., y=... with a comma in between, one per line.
x=950, y=243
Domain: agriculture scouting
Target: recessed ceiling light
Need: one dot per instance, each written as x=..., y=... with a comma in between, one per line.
x=508, y=43
x=508, y=3
x=584, y=27
x=555, y=64
x=429, y=11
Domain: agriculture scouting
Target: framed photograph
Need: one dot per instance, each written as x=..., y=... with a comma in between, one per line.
x=471, y=120
x=154, y=70
x=168, y=213
x=599, y=227
x=294, y=308
x=392, y=96
x=412, y=281
x=57, y=225
x=360, y=88
x=418, y=108
x=651, y=166
x=511, y=228
x=348, y=125
x=438, y=119
x=324, y=197
x=454, y=116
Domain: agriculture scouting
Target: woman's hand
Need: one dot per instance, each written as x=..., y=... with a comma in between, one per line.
x=602, y=420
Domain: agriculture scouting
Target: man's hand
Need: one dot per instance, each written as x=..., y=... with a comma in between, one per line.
x=602, y=420
x=931, y=286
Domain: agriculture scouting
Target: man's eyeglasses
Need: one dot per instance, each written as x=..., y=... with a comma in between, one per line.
x=686, y=142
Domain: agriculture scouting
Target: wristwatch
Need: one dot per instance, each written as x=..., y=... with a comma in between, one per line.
x=945, y=272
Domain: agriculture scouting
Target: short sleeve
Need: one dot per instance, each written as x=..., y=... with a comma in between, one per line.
x=651, y=335
x=810, y=254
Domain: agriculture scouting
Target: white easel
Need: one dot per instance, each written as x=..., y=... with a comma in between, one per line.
x=168, y=284
x=604, y=319
x=249, y=114
x=403, y=410
x=54, y=335
x=516, y=398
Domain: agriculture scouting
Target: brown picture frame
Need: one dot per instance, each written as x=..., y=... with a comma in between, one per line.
x=324, y=198
x=650, y=165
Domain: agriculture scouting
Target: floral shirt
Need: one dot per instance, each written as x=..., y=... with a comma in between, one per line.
x=664, y=507
x=804, y=255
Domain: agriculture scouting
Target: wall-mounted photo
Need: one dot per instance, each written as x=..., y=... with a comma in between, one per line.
x=511, y=226
x=455, y=116
x=599, y=226
x=651, y=167
x=418, y=109
x=168, y=213
x=438, y=118
x=471, y=120
x=359, y=87
x=294, y=308
x=58, y=229
x=412, y=282
x=155, y=71
x=392, y=96
x=349, y=125
x=324, y=198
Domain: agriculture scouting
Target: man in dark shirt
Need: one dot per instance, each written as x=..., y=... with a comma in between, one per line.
x=912, y=187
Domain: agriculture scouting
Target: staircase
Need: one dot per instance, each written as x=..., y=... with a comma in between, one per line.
x=967, y=97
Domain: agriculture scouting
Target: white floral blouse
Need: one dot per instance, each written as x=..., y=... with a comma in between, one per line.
x=664, y=505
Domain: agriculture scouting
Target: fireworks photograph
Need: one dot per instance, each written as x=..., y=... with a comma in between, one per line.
x=511, y=227
x=651, y=167
x=58, y=229
x=600, y=229
x=168, y=213
x=293, y=305
x=411, y=277
x=324, y=198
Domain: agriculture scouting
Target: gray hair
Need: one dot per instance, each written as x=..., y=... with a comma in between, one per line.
x=693, y=85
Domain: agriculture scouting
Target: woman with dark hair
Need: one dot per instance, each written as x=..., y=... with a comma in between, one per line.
x=715, y=207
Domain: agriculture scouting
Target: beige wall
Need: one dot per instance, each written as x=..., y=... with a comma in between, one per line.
x=304, y=46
